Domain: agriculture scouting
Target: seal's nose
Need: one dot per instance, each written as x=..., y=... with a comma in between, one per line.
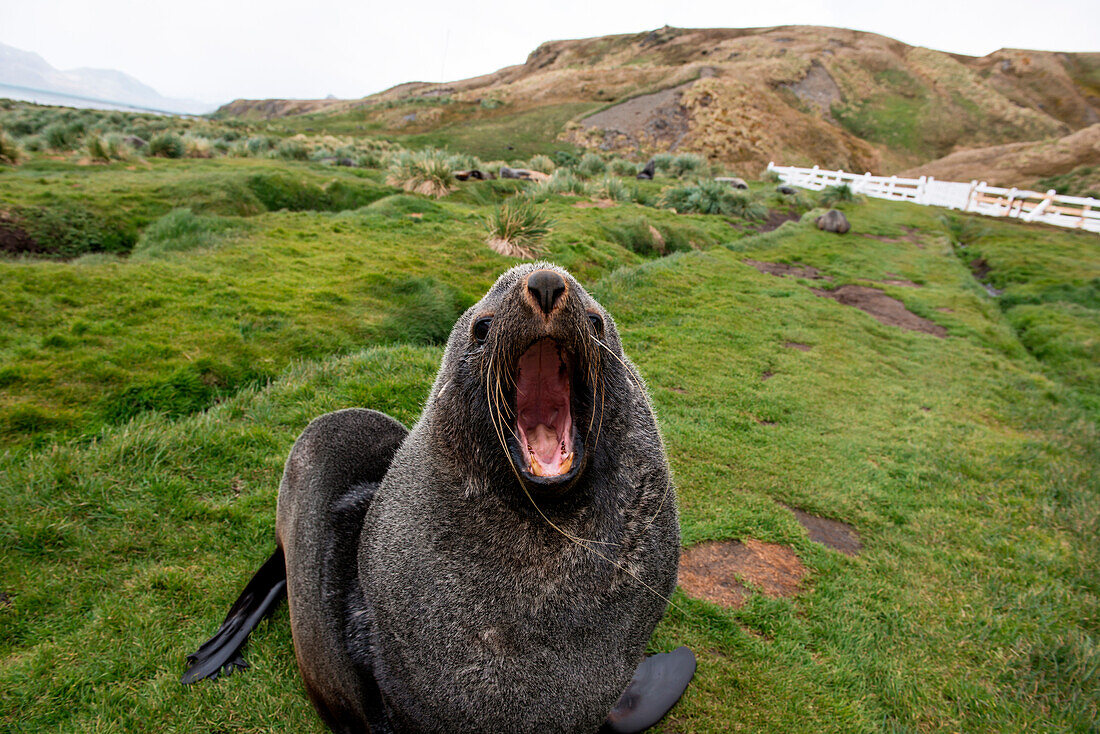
x=546, y=287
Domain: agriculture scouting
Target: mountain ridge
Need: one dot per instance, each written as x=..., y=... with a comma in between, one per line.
x=29, y=70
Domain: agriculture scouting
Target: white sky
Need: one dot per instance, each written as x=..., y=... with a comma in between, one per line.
x=218, y=50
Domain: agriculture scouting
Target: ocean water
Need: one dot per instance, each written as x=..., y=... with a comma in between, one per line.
x=65, y=100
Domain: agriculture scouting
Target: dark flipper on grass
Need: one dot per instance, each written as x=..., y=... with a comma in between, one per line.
x=655, y=688
x=222, y=652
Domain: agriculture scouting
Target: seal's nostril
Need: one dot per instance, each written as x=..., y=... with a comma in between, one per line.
x=546, y=287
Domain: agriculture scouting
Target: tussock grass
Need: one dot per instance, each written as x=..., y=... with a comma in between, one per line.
x=10, y=152
x=611, y=188
x=426, y=172
x=591, y=165
x=167, y=145
x=518, y=228
x=708, y=196
x=542, y=163
x=842, y=194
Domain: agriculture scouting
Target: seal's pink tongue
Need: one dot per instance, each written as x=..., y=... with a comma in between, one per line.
x=544, y=425
x=545, y=443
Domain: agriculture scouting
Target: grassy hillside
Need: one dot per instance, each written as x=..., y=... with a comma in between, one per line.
x=288, y=261
x=796, y=94
x=967, y=464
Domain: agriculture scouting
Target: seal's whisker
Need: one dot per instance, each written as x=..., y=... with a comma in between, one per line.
x=661, y=504
x=624, y=364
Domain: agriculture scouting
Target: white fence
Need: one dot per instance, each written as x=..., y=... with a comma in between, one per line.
x=1080, y=212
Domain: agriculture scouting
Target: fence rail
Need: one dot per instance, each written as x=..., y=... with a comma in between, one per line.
x=1077, y=212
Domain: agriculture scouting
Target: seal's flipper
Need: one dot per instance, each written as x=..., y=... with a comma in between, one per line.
x=655, y=688
x=222, y=652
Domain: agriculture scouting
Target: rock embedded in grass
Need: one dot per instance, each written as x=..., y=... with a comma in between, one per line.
x=833, y=221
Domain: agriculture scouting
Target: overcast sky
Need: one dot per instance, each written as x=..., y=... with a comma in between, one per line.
x=219, y=50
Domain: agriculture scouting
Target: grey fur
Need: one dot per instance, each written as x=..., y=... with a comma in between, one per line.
x=470, y=611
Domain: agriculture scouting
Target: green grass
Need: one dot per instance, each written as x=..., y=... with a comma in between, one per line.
x=968, y=464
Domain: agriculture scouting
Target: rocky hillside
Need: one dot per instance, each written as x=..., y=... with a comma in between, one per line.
x=796, y=94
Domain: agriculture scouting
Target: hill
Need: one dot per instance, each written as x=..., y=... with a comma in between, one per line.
x=965, y=462
x=797, y=94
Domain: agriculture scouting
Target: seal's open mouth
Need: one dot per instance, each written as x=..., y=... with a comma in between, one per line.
x=544, y=421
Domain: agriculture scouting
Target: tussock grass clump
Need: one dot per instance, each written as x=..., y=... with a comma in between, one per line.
x=292, y=150
x=10, y=154
x=518, y=228
x=708, y=196
x=543, y=163
x=563, y=181
x=196, y=146
x=591, y=165
x=97, y=149
x=167, y=145
x=687, y=164
x=662, y=162
x=609, y=187
x=833, y=195
x=623, y=167
x=63, y=136
x=178, y=231
x=425, y=172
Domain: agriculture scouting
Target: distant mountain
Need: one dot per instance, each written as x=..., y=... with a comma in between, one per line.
x=30, y=71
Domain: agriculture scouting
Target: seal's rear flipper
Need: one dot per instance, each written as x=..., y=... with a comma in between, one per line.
x=655, y=688
x=222, y=652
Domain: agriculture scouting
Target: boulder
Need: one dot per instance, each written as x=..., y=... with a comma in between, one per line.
x=646, y=174
x=833, y=221
x=786, y=190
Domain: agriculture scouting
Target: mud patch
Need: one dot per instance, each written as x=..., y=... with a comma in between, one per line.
x=797, y=345
x=776, y=219
x=14, y=239
x=980, y=268
x=714, y=571
x=839, y=536
x=883, y=308
x=794, y=270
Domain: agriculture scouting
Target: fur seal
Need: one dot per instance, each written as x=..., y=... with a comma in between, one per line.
x=501, y=566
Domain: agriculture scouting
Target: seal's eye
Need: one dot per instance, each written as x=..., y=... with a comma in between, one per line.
x=597, y=323
x=481, y=328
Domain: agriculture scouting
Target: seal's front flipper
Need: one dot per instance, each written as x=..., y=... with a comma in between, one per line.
x=655, y=688
x=222, y=652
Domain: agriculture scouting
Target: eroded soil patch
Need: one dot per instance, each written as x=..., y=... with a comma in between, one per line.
x=835, y=534
x=883, y=308
x=796, y=345
x=715, y=570
x=776, y=219
x=792, y=270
